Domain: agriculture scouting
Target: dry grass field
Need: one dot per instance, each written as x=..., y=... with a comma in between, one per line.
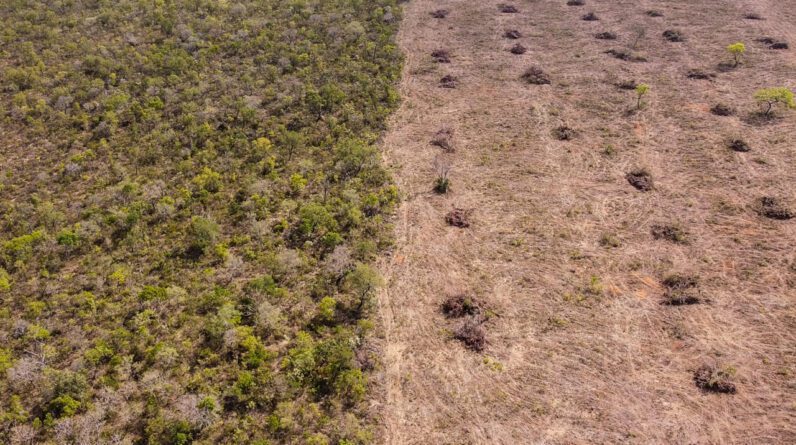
x=566, y=261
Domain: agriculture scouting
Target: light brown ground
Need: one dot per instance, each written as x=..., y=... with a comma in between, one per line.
x=616, y=368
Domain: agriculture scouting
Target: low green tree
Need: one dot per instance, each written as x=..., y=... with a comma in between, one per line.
x=736, y=50
x=773, y=96
x=641, y=90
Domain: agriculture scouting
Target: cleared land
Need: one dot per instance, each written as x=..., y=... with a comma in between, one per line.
x=562, y=250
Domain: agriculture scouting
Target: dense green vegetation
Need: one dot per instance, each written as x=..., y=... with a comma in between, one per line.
x=189, y=201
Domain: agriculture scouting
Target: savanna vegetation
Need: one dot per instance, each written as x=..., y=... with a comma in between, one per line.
x=190, y=199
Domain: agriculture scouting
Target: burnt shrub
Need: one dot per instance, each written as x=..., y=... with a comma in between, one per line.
x=440, y=13
x=518, y=49
x=753, y=16
x=778, y=45
x=722, y=110
x=441, y=56
x=673, y=35
x=508, y=9
x=536, y=76
x=773, y=208
x=576, y=3
x=697, y=73
x=641, y=179
x=738, y=145
x=449, y=81
x=669, y=232
x=512, y=34
x=443, y=139
x=590, y=17
x=471, y=334
x=458, y=306
x=564, y=133
x=623, y=54
x=459, y=217
x=605, y=35
x=714, y=379
x=629, y=84
x=654, y=13
x=681, y=290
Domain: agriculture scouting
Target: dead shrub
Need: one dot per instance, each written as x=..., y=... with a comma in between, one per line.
x=605, y=36
x=471, y=334
x=443, y=139
x=722, y=110
x=669, y=232
x=627, y=85
x=459, y=217
x=576, y=3
x=625, y=55
x=441, y=56
x=590, y=17
x=773, y=208
x=778, y=45
x=508, y=9
x=512, y=34
x=673, y=35
x=440, y=13
x=765, y=40
x=449, y=81
x=753, y=16
x=536, y=76
x=738, y=145
x=699, y=74
x=681, y=290
x=564, y=133
x=641, y=179
x=458, y=306
x=654, y=13
x=518, y=49
x=714, y=379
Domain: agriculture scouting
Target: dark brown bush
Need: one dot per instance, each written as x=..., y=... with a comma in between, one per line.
x=779, y=45
x=440, y=13
x=508, y=9
x=564, y=133
x=773, y=208
x=512, y=34
x=722, y=110
x=471, y=334
x=623, y=54
x=458, y=306
x=448, y=81
x=713, y=379
x=576, y=3
x=673, y=35
x=641, y=179
x=536, y=76
x=459, y=217
x=654, y=13
x=518, y=49
x=627, y=84
x=739, y=145
x=753, y=16
x=590, y=17
x=605, y=36
x=669, y=232
x=443, y=139
x=441, y=56
x=699, y=74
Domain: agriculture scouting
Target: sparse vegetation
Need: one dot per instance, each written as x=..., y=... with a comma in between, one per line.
x=536, y=76
x=641, y=90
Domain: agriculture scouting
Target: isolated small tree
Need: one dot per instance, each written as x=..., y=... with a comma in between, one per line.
x=772, y=96
x=737, y=50
x=641, y=90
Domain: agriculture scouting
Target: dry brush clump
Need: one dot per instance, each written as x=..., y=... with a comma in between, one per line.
x=449, y=81
x=711, y=378
x=673, y=35
x=472, y=334
x=518, y=49
x=722, y=110
x=605, y=35
x=590, y=17
x=699, y=74
x=461, y=305
x=681, y=290
x=739, y=145
x=441, y=56
x=575, y=2
x=459, y=217
x=512, y=34
x=641, y=179
x=508, y=9
x=564, y=133
x=774, y=208
x=440, y=13
x=443, y=139
x=669, y=232
x=536, y=76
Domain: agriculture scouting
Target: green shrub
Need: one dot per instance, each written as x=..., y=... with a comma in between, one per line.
x=774, y=96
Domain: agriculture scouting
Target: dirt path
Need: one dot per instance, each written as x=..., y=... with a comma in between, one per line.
x=580, y=349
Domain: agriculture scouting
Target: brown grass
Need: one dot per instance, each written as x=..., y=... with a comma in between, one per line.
x=563, y=367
